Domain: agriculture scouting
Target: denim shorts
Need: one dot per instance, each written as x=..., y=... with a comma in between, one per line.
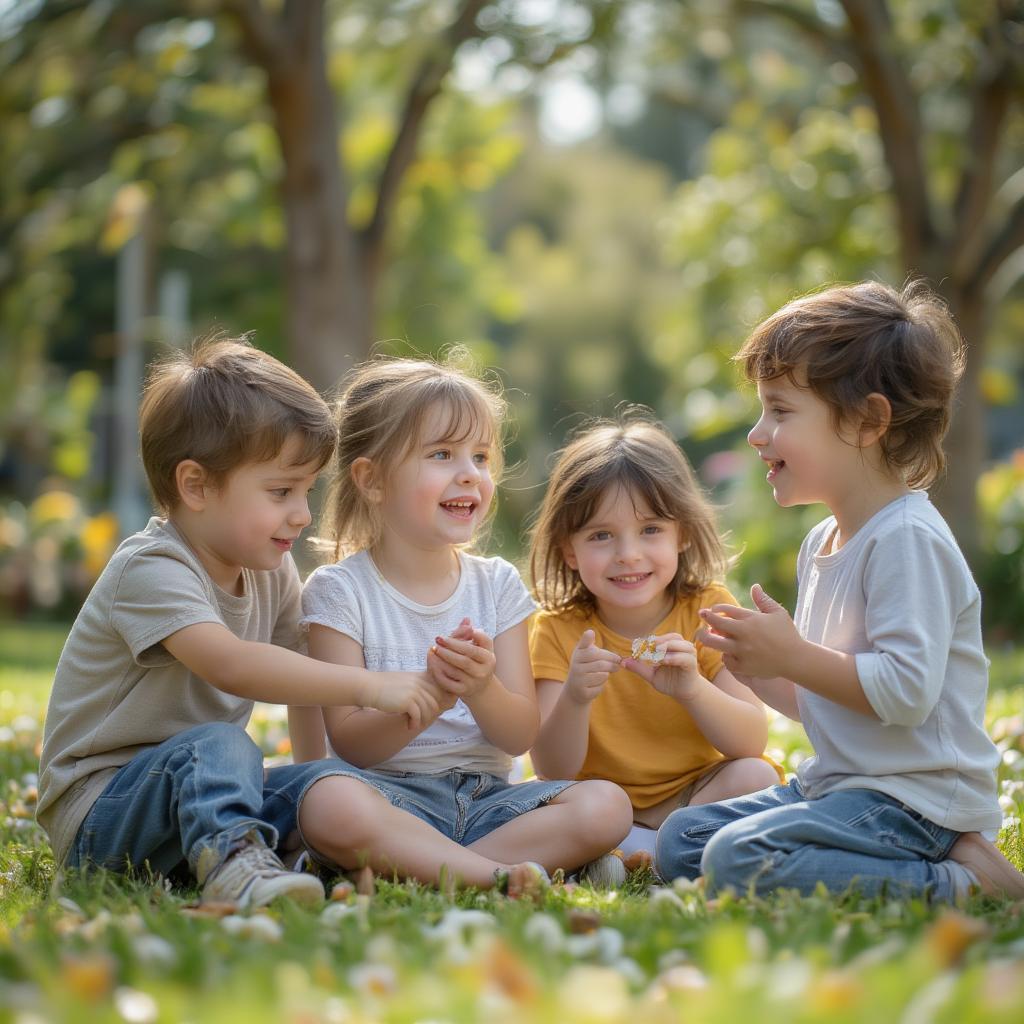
x=463, y=806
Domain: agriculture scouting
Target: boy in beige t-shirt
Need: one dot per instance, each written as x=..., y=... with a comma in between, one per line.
x=145, y=757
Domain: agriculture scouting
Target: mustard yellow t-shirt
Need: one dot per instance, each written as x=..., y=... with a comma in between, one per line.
x=646, y=742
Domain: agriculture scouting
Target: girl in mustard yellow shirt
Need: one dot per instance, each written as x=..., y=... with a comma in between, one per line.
x=625, y=548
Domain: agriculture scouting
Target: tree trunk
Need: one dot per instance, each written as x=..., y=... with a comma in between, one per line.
x=329, y=301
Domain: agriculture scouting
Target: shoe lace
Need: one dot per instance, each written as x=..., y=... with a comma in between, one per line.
x=252, y=860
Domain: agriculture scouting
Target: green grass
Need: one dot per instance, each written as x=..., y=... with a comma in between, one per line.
x=108, y=949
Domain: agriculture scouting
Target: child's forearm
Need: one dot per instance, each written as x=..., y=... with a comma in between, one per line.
x=735, y=727
x=306, y=733
x=777, y=692
x=562, y=742
x=265, y=672
x=367, y=736
x=830, y=674
x=508, y=720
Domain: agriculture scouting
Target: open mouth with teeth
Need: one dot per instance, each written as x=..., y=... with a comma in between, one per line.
x=774, y=465
x=461, y=509
x=631, y=579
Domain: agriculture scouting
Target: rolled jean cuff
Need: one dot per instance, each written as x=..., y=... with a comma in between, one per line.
x=210, y=852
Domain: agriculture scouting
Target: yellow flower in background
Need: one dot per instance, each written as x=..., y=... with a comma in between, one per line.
x=99, y=538
x=54, y=507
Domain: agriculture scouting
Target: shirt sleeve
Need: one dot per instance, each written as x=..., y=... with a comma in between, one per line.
x=329, y=599
x=914, y=588
x=548, y=656
x=140, y=612
x=286, y=632
x=512, y=599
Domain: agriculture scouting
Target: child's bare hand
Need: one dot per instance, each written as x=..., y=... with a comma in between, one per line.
x=589, y=669
x=463, y=663
x=406, y=693
x=677, y=675
x=758, y=642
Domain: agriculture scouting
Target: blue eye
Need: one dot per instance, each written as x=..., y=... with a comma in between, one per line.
x=482, y=458
x=281, y=492
x=439, y=455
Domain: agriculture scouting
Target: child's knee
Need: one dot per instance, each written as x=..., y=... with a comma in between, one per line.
x=600, y=807
x=752, y=774
x=228, y=746
x=728, y=857
x=340, y=813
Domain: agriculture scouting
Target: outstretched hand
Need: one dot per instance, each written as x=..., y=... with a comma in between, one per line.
x=413, y=694
x=677, y=675
x=758, y=642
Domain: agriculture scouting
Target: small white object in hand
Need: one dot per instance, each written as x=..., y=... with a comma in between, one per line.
x=645, y=648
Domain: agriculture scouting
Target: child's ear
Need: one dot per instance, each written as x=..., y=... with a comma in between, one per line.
x=192, y=482
x=364, y=476
x=876, y=420
x=569, y=557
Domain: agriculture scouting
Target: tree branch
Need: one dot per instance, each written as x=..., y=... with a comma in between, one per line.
x=1006, y=241
x=261, y=33
x=805, y=20
x=990, y=102
x=425, y=86
x=886, y=83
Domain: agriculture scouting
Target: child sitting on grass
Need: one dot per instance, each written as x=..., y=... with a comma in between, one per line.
x=419, y=457
x=884, y=662
x=145, y=758
x=625, y=548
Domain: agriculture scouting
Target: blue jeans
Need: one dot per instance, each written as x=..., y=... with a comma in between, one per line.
x=192, y=799
x=778, y=839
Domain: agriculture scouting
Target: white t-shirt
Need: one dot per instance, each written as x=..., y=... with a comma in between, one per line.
x=899, y=595
x=396, y=632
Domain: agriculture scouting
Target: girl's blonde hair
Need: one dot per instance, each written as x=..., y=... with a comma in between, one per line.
x=638, y=455
x=380, y=416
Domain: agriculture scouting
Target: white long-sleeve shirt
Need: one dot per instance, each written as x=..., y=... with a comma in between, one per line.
x=899, y=596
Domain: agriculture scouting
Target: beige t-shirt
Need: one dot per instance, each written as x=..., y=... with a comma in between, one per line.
x=117, y=691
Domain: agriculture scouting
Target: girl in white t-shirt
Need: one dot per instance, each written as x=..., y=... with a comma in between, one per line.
x=414, y=479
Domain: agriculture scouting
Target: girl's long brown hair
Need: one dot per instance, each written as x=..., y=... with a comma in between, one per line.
x=635, y=453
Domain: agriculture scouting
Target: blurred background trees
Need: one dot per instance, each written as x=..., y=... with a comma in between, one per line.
x=598, y=198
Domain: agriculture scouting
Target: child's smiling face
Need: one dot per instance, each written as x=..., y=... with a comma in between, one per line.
x=440, y=493
x=626, y=556
x=809, y=459
x=254, y=517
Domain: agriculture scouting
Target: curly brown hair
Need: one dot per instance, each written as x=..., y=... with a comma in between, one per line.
x=636, y=453
x=849, y=342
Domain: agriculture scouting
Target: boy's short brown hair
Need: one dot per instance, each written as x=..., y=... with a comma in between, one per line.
x=225, y=403
x=848, y=342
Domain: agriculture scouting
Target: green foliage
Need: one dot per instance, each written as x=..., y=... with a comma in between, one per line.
x=1001, y=574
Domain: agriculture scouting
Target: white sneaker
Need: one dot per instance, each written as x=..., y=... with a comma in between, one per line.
x=253, y=876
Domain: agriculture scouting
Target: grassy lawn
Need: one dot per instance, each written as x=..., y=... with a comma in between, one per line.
x=110, y=950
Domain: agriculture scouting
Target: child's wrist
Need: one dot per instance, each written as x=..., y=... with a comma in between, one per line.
x=369, y=692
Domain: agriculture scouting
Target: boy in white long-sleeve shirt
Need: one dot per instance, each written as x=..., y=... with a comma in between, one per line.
x=883, y=662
